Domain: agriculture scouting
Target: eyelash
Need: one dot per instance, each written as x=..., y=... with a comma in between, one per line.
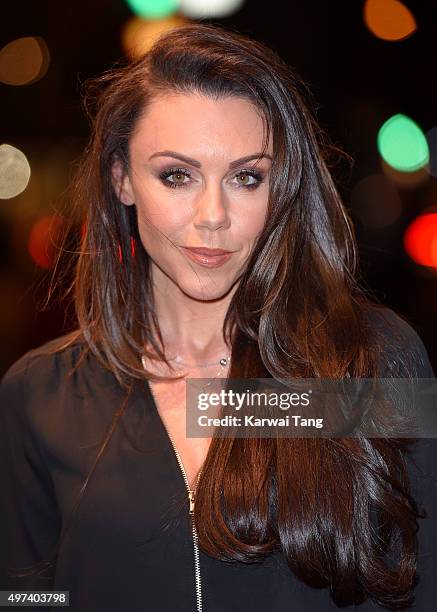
x=249, y=172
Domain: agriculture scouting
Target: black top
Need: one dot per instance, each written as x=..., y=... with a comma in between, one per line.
x=130, y=548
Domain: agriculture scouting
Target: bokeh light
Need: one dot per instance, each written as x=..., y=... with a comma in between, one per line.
x=402, y=144
x=24, y=61
x=153, y=9
x=43, y=240
x=375, y=201
x=138, y=35
x=420, y=240
x=389, y=19
x=199, y=9
x=14, y=171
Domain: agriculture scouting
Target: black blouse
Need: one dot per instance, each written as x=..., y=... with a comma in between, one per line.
x=130, y=548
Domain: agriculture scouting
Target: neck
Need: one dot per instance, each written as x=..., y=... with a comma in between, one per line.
x=191, y=329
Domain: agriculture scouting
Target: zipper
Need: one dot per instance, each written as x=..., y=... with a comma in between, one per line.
x=191, y=498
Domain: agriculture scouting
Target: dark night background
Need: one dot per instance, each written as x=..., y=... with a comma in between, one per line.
x=358, y=82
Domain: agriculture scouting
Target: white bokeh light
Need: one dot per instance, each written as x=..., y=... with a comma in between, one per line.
x=198, y=9
x=14, y=171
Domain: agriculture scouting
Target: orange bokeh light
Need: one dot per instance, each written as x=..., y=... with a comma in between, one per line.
x=24, y=60
x=389, y=19
x=139, y=34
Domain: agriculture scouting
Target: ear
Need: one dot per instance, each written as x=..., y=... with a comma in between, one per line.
x=121, y=183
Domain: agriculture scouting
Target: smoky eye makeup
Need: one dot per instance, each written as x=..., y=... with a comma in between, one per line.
x=183, y=174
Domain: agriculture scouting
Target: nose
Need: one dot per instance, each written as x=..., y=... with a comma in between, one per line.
x=212, y=209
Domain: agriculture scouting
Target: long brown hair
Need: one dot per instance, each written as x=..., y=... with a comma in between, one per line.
x=298, y=312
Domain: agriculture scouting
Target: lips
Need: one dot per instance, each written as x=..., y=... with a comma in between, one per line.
x=207, y=252
x=208, y=258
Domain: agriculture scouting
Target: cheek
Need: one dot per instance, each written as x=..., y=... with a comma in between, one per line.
x=250, y=224
x=158, y=216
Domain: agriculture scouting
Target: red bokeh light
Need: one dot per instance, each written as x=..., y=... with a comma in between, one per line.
x=43, y=240
x=420, y=240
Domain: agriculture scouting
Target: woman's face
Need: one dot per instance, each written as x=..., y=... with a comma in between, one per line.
x=208, y=198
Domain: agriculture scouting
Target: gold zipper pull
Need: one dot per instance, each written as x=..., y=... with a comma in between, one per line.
x=191, y=496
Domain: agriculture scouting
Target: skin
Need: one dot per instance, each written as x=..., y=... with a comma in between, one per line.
x=213, y=209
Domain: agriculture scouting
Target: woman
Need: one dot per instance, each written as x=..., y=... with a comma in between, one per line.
x=204, y=143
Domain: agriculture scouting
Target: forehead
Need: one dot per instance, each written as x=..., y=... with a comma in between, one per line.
x=200, y=127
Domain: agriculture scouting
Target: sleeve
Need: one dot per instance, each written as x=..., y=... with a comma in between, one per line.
x=29, y=517
x=407, y=350
x=422, y=465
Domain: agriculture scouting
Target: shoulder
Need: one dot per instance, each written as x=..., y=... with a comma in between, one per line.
x=46, y=360
x=402, y=350
x=35, y=387
x=49, y=389
x=392, y=323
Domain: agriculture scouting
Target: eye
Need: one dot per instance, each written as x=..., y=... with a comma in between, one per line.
x=250, y=173
x=180, y=173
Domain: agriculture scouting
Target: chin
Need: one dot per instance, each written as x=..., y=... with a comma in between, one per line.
x=206, y=290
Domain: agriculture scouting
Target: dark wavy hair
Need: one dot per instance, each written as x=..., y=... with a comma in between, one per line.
x=298, y=311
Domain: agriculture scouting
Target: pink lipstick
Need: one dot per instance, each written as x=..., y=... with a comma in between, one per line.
x=209, y=258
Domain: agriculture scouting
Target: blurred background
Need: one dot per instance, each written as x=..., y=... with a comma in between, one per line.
x=369, y=65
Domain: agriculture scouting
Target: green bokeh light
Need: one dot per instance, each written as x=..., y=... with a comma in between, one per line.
x=153, y=9
x=402, y=144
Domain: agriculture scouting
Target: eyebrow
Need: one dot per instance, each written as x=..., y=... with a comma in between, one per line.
x=197, y=164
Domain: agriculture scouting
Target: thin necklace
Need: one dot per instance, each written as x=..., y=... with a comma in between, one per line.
x=223, y=363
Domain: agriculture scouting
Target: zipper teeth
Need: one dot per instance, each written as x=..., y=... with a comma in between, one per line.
x=193, y=526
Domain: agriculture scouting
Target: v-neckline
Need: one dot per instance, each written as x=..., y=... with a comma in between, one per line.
x=171, y=443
